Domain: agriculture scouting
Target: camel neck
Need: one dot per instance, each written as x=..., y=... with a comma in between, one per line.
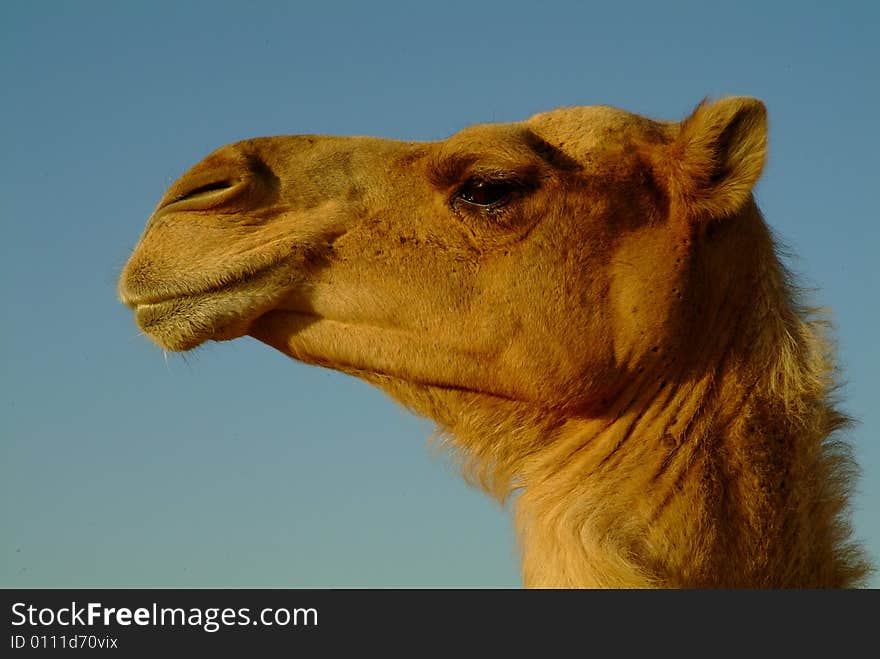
x=723, y=474
x=597, y=501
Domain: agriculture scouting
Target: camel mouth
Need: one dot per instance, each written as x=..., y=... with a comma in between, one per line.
x=181, y=324
x=183, y=320
x=227, y=283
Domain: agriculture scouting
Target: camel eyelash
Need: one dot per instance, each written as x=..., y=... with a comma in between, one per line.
x=492, y=191
x=488, y=193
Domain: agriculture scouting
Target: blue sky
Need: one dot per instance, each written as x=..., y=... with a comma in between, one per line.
x=234, y=466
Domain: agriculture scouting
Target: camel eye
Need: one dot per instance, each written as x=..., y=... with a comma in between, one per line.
x=486, y=193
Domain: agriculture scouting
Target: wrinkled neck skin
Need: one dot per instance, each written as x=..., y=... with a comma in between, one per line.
x=702, y=472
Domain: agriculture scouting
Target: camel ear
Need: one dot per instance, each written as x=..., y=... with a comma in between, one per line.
x=717, y=156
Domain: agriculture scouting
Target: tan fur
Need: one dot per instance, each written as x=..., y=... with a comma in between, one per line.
x=615, y=340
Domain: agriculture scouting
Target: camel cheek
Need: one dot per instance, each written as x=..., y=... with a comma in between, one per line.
x=645, y=293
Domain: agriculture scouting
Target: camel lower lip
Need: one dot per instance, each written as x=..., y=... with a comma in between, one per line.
x=152, y=313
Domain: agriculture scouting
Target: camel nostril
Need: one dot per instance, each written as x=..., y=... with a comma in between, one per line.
x=203, y=193
x=204, y=189
x=230, y=180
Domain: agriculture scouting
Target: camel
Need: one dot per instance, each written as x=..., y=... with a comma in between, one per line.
x=588, y=304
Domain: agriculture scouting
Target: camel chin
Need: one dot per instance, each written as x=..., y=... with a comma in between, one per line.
x=182, y=324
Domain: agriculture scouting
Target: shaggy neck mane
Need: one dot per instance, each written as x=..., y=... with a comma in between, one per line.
x=715, y=471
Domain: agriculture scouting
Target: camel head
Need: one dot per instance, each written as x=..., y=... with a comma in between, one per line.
x=549, y=262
